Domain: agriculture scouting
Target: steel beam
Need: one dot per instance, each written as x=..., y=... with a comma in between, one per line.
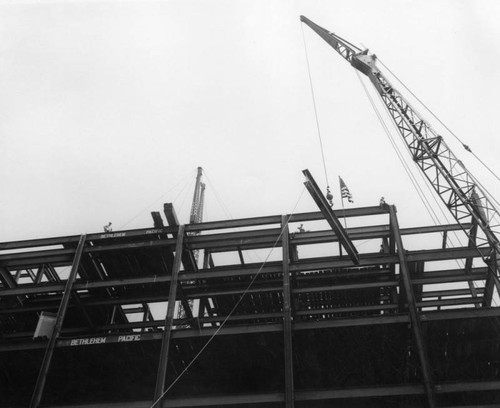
x=473, y=406
x=287, y=316
x=271, y=268
x=157, y=220
x=309, y=395
x=276, y=219
x=432, y=316
x=330, y=216
x=449, y=292
x=348, y=309
x=169, y=318
x=347, y=286
x=6, y=278
x=95, y=237
x=368, y=259
x=436, y=277
x=47, y=359
x=413, y=312
x=491, y=280
x=204, y=304
x=263, y=238
x=188, y=260
x=99, y=238
x=205, y=226
x=200, y=293
x=9, y=282
x=215, y=242
x=468, y=262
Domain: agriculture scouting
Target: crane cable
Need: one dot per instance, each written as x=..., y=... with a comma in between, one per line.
x=315, y=109
x=228, y=213
x=412, y=178
x=283, y=229
x=466, y=147
x=217, y=197
x=158, y=199
x=489, y=195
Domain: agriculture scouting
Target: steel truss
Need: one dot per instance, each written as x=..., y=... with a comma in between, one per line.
x=380, y=325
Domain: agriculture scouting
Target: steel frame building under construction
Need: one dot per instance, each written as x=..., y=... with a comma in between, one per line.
x=370, y=315
x=318, y=323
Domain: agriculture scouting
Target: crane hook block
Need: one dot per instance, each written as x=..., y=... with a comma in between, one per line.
x=329, y=196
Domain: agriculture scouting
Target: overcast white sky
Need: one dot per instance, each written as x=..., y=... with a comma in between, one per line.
x=107, y=108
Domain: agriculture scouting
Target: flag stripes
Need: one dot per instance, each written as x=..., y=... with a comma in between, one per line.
x=344, y=191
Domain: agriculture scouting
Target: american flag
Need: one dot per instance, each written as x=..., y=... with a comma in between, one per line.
x=344, y=191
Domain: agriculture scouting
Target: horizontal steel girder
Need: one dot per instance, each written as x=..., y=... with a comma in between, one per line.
x=214, y=242
x=304, y=396
x=258, y=328
x=205, y=226
x=271, y=267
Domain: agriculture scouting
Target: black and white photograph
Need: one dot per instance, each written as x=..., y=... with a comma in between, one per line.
x=249, y=204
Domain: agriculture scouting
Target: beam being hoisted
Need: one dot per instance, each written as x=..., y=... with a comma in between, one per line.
x=330, y=216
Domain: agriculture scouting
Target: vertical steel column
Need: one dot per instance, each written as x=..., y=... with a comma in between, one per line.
x=468, y=262
x=287, y=316
x=491, y=280
x=169, y=318
x=412, y=308
x=47, y=358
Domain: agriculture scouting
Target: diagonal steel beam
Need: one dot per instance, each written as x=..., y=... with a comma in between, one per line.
x=188, y=260
x=47, y=359
x=187, y=256
x=9, y=282
x=330, y=216
x=169, y=319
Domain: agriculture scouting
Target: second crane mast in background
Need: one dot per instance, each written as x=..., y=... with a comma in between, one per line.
x=197, y=206
x=195, y=217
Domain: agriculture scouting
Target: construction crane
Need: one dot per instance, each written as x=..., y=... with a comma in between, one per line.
x=196, y=216
x=455, y=185
x=197, y=206
x=198, y=199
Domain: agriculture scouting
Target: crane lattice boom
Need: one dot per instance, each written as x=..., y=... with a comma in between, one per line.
x=454, y=184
